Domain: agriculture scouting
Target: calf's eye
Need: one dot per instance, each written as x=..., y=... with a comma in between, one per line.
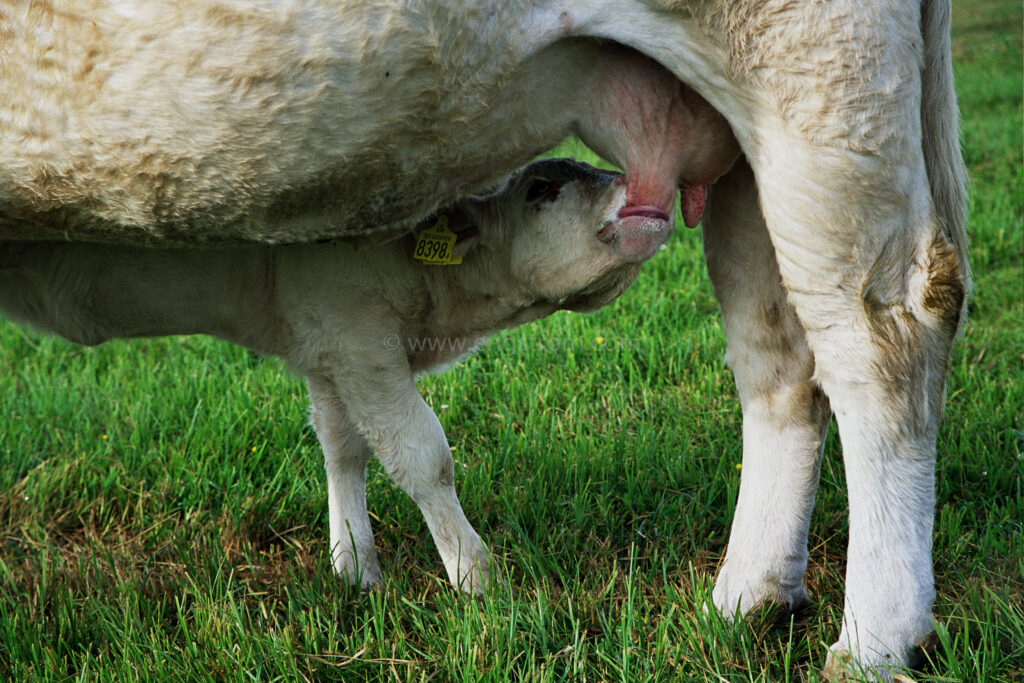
x=542, y=189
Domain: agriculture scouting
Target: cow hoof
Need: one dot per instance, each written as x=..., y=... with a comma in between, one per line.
x=735, y=599
x=838, y=666
x=841, y=665
x=771, y=612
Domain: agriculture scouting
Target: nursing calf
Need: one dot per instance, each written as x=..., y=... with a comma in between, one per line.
x=359, y=321
x=839, y=255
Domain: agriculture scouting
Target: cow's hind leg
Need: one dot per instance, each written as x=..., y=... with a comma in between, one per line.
x=785, y=415
x=878, y=287
x=345, y=456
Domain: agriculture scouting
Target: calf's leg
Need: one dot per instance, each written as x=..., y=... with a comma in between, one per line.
x=382, y=401
x=785, y=415
x=345, y=455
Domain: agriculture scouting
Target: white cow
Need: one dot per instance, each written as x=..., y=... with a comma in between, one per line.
x=839, y=258
x=359, y=320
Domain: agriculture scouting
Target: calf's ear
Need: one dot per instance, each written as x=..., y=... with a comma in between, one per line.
x=469, y=223
x=465, y=225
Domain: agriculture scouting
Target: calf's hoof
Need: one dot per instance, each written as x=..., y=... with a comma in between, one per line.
x=471, y=574
x=365, y=574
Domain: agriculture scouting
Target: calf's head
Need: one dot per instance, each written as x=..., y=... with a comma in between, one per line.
x=553, y=233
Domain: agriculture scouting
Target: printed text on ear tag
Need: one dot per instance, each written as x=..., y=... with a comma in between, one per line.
x=435, y=244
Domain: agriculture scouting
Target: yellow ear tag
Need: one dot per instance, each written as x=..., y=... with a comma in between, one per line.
x=435, y=244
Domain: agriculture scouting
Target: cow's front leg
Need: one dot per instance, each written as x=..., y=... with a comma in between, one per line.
x=345, y=455
x=383, y=403
x=785, y=415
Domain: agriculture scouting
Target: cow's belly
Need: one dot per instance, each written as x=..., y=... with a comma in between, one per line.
x=195, y=125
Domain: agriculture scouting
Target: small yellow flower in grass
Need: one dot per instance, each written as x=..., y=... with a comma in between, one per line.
x=253, y=449
x=105, y=437
x=739, y=466
x=600, y=340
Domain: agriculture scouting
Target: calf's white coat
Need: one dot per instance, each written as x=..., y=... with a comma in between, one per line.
x=358, y=320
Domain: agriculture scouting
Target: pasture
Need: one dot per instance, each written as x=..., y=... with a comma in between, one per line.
x=163, y=508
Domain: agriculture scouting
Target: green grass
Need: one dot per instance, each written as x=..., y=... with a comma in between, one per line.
x=163, y=507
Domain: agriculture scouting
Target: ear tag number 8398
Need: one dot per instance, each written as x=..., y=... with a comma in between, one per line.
x=435, y=244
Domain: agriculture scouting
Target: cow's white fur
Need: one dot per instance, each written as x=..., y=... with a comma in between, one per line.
x=358, y=321
x=865, y=227
x=845, y=111
x=180, y=121
x=785, y=415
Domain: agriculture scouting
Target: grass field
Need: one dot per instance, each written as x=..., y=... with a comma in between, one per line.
x=163, y=504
